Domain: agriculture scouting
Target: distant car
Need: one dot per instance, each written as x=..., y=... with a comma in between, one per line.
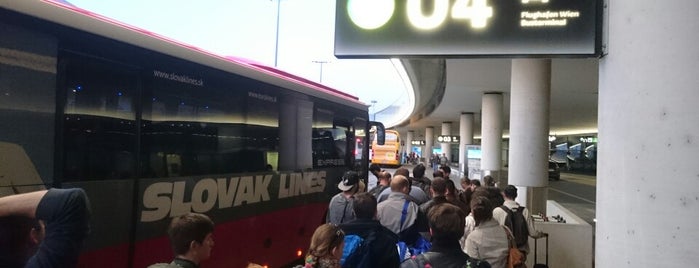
x=554, y=171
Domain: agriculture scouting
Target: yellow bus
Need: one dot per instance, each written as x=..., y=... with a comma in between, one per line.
x=389, y=153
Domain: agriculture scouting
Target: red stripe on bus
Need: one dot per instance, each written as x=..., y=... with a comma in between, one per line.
x=272, y=239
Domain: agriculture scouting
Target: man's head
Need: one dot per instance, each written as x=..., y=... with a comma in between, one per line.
x=384, y=178
x=191, y=236
x=419, y=171
x=446, y=222
x=510, y=192
x=364, y=205
x=400, y=184
x=349, y=182
x=451, y=187
x=437, y=174
x=489, y=181
x=481, y=208
x=402, y=171
x=465, y=183
x=493, y=194
x=446, y=169
x=438, y=187
x=475, y=184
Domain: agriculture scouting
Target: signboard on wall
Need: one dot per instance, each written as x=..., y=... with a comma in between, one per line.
x=448, y=139
x=467, y=28
x=418, y=142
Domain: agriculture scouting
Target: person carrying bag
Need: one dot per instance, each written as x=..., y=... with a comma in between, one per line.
x=515, y=257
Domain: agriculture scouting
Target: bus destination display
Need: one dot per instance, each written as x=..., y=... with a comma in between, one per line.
x=467, y=28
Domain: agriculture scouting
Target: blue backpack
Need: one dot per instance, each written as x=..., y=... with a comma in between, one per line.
x=357, y=251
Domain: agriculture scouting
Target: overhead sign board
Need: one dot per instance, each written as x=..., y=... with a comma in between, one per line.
x=418, y=142
x=467, y=28
x=447, y=139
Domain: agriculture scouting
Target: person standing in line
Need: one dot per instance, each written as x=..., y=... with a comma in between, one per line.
x=420, y=180
x=51, y=228
x=191, y=238
x=399, y=214
x=383, y=183
x=416, y=194
x=340, y=207
x=489, y=181
x=446, y=170
x=500, y=214
x=453, y=198
x=383, y=251
x=465, y=194
x=446, y=223
x=488, y=241
x=326, y=247
x=438, y=190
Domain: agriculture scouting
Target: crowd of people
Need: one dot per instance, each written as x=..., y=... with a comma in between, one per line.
x=475, y=226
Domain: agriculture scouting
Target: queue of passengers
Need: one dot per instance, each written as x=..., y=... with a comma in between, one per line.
x=465, y=227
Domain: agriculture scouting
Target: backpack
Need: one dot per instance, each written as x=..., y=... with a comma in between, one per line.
x=518, y=225
x=357, y=251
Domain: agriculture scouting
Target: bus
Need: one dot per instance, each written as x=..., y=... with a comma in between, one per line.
x=389, y=153
x=152, y=128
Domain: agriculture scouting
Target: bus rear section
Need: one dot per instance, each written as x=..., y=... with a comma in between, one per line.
x=152, y=130
x=389, y=153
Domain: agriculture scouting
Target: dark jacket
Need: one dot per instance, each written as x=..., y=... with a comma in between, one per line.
x=424, y=183
x=383, y=249
x=425, y=208
x=446, y=254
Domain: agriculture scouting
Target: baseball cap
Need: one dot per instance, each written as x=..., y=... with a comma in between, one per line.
x=349, y=180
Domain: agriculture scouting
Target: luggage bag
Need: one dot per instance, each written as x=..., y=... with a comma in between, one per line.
x=540, y=265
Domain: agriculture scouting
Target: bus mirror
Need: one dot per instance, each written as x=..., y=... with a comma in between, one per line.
x=380, y=132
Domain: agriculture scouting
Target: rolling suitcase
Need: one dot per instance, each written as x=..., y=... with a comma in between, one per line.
x=539, y=265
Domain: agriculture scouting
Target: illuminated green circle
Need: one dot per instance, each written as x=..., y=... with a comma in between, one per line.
x=370, y=14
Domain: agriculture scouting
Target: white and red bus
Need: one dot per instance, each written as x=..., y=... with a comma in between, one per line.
x=152, y=128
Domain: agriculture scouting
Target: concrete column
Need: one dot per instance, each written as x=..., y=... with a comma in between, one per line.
x=647, y=172
x=466, y=132
x=446, y=147
x=429, y=141
x=530, y=96
x=491, y=132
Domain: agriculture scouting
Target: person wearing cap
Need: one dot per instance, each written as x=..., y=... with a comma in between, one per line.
x=340, y=207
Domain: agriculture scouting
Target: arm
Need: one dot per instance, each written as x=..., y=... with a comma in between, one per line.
x=533, y=232
x=66, y=213
x=21, y=204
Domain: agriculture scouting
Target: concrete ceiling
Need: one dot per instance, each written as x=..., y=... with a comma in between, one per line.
x=573, y=95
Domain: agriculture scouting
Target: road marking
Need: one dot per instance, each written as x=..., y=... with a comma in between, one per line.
x=574, y=196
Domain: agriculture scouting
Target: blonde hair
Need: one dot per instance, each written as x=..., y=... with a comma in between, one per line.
x=325, y=238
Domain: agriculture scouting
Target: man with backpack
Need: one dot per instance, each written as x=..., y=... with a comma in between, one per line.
x=517, y=219
x=367, y=242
